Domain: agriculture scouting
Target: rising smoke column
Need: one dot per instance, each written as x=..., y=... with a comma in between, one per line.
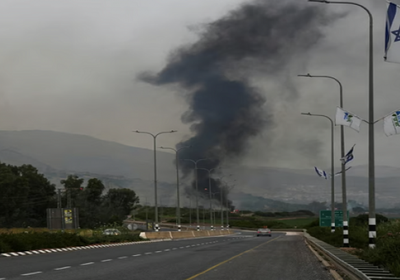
x=225, y=110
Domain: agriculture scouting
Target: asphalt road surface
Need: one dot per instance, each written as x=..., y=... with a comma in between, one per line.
x=238, y=257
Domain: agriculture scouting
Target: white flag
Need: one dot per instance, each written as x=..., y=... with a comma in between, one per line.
x=391, y=124
x=347, y=119
x=392, y=34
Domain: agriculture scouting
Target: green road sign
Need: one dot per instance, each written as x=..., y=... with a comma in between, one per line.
x=325, y=218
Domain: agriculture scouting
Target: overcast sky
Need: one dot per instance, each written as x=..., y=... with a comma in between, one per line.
x=72, y=66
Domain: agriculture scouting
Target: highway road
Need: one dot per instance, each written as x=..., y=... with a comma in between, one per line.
x=242, y=256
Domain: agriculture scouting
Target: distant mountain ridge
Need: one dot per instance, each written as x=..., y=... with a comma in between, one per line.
x=57, y=154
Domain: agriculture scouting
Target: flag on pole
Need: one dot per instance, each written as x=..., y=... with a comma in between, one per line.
x=391, y=124
x=321, y=173
x=325, y=175
x=392, y=34
x=348, y=119
x=349, y=156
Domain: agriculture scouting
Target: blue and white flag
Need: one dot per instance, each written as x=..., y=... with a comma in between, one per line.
x=349, y=156
x=391, y=124
x=392, y=34
x=321, y=173
x=325, y=175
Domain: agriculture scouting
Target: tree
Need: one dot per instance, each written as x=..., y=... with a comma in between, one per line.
x=120, y=202
x=73, y=187
x=25, y=195
x=90, y=204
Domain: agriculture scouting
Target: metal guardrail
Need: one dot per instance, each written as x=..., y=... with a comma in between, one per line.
x=358, y=267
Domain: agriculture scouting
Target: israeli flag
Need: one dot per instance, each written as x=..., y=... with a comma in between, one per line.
x=349, y=156
x=321, y=173
x=392, y=34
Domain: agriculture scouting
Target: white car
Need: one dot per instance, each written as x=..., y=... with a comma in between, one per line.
x=264, y=231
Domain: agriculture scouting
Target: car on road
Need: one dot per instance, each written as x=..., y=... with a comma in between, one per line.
x=111, y=231
x=264, y=232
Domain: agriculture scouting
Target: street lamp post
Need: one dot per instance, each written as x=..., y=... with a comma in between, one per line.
x=155, y=170
x=195, y=162
x=209, y=190
x=371, y=140
x=343, y=166
x=178, y=206
x=332, y=169
x=227, y=204
x=214, y=218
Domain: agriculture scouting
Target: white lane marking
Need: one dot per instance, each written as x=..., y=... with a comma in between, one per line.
x=181, y=247
x=107, y=260
x=31, y=273
x=166, y=250
x=2, y=278
x=197, y=244
x=188, y=246
x=121, y=258
x=62, y=268
x=158, y=252
x=89, y=263
x=148, y=253
x=137, y=255
x=174, y=248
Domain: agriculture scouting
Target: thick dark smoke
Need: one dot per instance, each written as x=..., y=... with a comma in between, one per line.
x=225, y=110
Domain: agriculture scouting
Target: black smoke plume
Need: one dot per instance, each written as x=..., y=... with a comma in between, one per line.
x=225, y=110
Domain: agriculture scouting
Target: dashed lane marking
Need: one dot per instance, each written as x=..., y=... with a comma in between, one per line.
x=107, y=260
x=31, y=273
x=89, y=263
x=148, y=253
x=158, y=252
x=121, y=258
x=137, y=255
x=166, y=250
x=62, y=268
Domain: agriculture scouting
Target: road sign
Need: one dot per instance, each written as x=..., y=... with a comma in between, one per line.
x=325, y=218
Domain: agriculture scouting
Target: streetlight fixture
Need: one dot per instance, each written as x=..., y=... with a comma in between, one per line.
x=371, y=140
x=178, y=206
x=209, y=190
x=195, y=162
x=332, y=169
x=342, y=153
x=155, y=170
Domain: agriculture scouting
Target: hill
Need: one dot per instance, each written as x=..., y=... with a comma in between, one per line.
x=58, y=154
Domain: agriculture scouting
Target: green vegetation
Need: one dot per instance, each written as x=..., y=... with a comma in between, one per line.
x=26, y=194
x=31, y=240
x=387, y=251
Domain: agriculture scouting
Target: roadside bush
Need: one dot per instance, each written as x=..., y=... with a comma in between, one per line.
x=387, y=250
x=362, y=219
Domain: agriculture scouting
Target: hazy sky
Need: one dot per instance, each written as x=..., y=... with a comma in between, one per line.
x=72, y=66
